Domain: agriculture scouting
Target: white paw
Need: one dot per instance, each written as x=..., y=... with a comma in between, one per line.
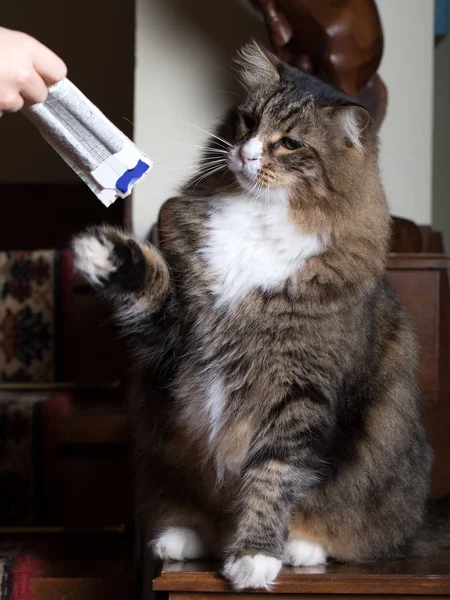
x=178, y=543
x=255, y=572
x=93, y=257
x=300, y=553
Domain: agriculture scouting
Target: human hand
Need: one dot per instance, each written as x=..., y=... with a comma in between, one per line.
x=27, y=70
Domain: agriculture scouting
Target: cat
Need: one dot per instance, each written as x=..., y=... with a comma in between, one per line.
x=274, y=398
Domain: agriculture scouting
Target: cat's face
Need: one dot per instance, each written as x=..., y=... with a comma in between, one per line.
x=275, y=145
x=291, y=129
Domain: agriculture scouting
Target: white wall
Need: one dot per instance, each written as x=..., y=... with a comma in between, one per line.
x=407, y=133
x=441, y=167
x=182, y=47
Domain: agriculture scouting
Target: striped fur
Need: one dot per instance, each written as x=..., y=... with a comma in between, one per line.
x=284, y=424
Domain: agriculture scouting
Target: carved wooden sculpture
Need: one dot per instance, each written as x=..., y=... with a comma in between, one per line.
x=340, y=41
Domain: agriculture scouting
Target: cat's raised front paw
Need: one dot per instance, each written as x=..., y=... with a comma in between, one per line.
x=251, y=572
x=94, y=256
x=179, y=543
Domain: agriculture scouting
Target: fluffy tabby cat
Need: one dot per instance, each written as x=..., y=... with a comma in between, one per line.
x=284, y=425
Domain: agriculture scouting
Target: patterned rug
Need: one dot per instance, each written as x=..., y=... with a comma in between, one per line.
x=27, y=331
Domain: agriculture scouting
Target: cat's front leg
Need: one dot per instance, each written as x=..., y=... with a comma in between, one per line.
x=258, y=547
x=290, y=458
x=255, y=551
x=134, y=275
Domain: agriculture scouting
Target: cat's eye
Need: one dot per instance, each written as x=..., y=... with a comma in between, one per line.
x=290, y=144
x=249, y=121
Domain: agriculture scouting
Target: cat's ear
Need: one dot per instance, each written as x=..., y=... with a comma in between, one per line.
x=257, y=66
x=352, y=121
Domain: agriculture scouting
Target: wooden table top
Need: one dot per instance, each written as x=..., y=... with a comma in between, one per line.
x=404, y=576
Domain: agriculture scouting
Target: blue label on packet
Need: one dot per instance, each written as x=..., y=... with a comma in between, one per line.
x=130, y=177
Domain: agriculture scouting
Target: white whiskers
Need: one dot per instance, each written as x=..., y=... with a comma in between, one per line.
x=217, y=137
x=214, y=157
x=199, y=164
x=204, y=148
x=207, y=174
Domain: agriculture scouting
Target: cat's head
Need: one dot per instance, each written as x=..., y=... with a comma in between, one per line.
x=292, y=131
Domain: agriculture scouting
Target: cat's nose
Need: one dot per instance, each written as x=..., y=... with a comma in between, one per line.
x=246, y=156
x=251, y=150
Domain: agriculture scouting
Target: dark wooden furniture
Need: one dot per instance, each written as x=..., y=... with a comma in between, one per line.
x=421, y=281
x=412, y=578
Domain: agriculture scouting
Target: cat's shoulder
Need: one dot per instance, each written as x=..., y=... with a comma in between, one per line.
x=180, y=208
x=168, y=212
x=180, y=218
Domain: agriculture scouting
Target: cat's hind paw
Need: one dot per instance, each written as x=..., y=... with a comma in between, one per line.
x=251, y=572
x=178, y=543
x=301, y=553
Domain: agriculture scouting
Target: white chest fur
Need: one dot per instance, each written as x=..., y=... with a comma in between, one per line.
x=252, y=243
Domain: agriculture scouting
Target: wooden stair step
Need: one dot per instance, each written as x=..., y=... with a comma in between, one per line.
x=421, y=576
x=95, y=418
x=84, y=566
x=88, y=428
x=84, y=589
